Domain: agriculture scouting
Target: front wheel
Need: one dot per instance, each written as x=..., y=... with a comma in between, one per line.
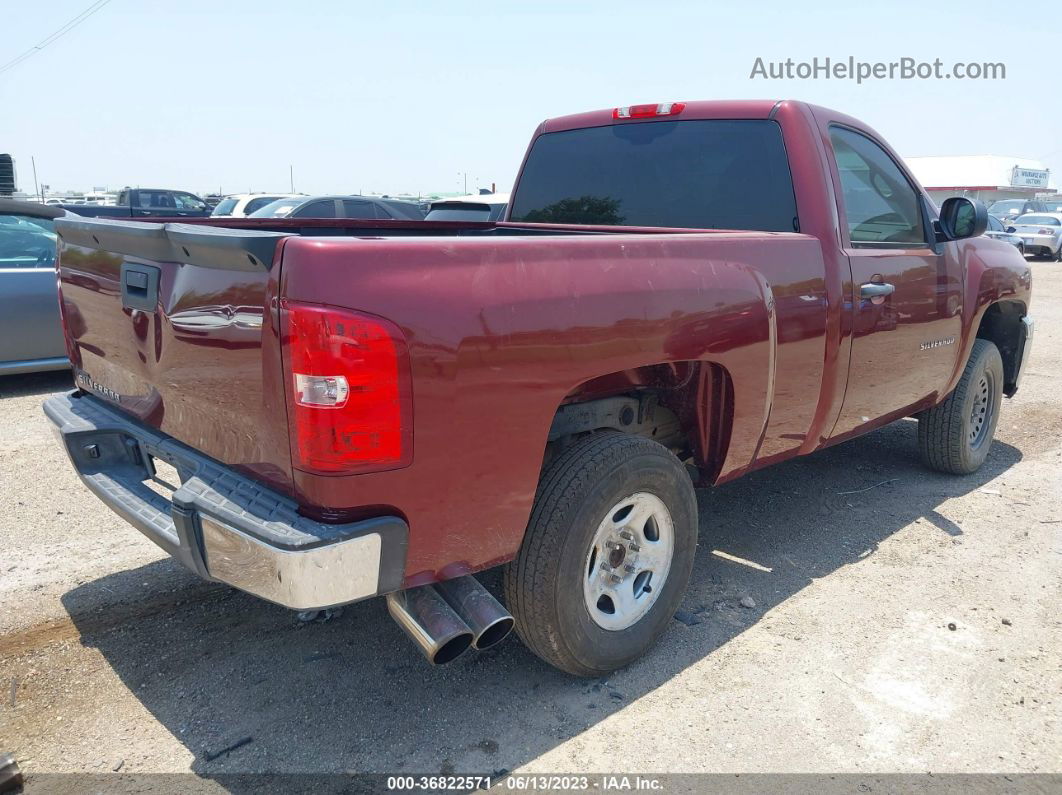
x=955, y=436
x=607, y=554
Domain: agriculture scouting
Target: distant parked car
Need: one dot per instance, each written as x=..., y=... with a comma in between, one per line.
x=148, y=203
x=1041, y=233
x=998, y=232
x=364, y=207
x=1009, y=209
x=241, y=205
x=485, y=207
x=31, y=334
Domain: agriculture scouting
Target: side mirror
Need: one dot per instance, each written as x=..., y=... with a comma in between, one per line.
x=1011, y=230
x=961, y=218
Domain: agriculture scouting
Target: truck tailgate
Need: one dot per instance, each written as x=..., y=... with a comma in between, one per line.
x=171, y=324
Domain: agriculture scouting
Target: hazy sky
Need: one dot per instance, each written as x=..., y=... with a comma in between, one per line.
x=402, y=96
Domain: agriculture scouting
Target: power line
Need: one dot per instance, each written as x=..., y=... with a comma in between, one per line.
x=69, y=26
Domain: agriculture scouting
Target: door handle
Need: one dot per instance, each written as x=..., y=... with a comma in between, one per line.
x=140, y=286
x=876, y=290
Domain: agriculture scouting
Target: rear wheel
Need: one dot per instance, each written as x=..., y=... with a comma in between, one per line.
x=607, y=554
x=956, y=436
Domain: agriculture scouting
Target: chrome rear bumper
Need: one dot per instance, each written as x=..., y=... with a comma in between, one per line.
x=221, y=524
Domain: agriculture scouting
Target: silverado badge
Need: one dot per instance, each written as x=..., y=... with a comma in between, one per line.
x=86, y=380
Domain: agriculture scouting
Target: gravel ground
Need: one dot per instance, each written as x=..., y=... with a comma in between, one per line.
x=897, y=621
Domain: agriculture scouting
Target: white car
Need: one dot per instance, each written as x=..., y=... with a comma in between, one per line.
x=477, y=207
x=1040, y=232
x=240, y=205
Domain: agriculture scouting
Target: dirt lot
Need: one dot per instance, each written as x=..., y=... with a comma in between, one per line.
x=903, y=621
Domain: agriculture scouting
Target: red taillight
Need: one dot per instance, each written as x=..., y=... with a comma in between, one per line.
x=350, y=403
x=1045, y=232
x=645, y=111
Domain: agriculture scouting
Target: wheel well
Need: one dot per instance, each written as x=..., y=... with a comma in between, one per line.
x=1001, y=324
x=684, y=406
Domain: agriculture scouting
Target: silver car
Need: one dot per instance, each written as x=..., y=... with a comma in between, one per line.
x=996, y=231
x=31, y=336
x=1041, y=233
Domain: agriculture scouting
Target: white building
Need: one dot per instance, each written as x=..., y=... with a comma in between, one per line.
x=985, y=177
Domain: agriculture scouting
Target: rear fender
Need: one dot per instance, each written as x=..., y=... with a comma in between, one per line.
x=727, y=407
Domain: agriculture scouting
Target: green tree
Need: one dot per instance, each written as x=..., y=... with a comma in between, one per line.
x=584, y=210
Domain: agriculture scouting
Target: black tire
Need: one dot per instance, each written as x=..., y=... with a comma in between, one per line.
x=1058, y=256
x=544, y=584
x=955, y=436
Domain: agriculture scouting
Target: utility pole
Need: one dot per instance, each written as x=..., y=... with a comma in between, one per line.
x=291, y=177
x=36, y=186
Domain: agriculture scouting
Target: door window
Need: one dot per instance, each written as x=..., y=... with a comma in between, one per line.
x=353, y=208
x=186, y=201
x=26, y=242
x=326, y=208
x=882, y=208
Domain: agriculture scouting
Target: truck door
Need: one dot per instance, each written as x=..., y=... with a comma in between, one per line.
x=145, y=203
x=906, y=290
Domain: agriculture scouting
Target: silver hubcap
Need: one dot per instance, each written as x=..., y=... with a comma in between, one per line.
x=628, y=561
x=979, y=411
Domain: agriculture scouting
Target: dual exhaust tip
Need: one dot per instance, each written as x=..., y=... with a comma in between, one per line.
x=448, y=618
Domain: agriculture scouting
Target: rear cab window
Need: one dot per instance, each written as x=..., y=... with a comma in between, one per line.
x=1041, y=220
x=695, y=174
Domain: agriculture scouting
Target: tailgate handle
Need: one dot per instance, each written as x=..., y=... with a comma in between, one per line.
x=140, y=286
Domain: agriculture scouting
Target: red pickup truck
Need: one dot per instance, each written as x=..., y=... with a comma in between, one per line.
x=680, y=293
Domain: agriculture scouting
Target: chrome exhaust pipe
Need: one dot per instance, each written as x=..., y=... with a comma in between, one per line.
x=489, y=621
x=431, y=623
